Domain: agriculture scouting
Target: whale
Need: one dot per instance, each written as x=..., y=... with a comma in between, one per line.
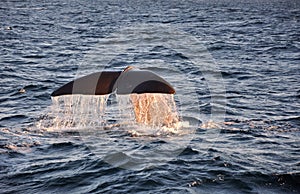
x=129, y=81
x=149, y=109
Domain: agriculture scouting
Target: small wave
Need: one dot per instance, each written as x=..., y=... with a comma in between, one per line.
x=13, y=118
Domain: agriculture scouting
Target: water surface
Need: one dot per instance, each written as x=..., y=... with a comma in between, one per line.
x=254, y=45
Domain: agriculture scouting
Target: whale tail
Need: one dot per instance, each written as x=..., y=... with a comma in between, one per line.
x=128, y=81
x=149, y=109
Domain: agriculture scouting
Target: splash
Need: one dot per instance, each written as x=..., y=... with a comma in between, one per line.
x=75, y=111
x=154, y=113
x=155, y=110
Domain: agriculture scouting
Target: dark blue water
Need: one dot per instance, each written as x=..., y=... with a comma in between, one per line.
x=253, y=50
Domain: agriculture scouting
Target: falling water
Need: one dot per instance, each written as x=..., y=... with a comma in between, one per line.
x=79, y=111
x=155, y=109
x=153, y=114
x=139, y=111
x=75, y=111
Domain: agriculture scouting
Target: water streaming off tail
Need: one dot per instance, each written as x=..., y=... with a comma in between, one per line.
x=155, y=109
x=154, y=113
x=77, y=111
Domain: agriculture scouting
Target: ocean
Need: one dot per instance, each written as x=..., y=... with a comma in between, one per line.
x=234, y=64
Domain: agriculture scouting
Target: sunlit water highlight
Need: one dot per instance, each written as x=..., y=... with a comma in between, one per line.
x=143, y=114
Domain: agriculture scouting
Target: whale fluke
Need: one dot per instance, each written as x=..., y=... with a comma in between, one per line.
x=128, y=81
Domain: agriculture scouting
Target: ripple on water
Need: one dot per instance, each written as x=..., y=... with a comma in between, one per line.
x=256, y=47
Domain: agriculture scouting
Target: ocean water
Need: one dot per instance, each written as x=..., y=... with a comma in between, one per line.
x=234, y=66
